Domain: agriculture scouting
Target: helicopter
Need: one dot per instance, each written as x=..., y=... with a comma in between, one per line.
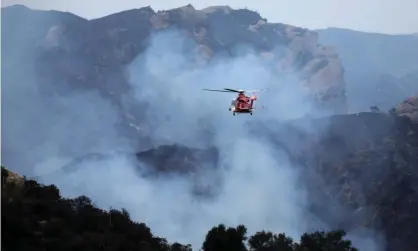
x=242, y=103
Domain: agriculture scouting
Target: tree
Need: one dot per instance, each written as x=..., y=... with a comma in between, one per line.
x=374, y=108
x=81, y=202
x=126, y=214
x=220, y=238
x=38, y=218
x=267, y=241
x=321, y=241
x=178, y=247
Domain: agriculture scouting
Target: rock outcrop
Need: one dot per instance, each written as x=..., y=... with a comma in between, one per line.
x=163, y=159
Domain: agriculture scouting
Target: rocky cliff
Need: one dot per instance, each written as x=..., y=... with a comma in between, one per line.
x=93, y=53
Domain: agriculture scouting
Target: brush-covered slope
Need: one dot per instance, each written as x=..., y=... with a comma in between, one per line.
x=37, y=217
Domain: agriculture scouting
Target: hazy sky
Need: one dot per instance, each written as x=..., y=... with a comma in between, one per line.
x=384, y=16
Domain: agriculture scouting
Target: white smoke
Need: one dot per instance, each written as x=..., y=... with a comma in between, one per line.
x=259, y=188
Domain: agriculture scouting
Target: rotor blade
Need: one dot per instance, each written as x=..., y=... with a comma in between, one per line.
x=215, y=90
x=231, y=90
x=255, y=90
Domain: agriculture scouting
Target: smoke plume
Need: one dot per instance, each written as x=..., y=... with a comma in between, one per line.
x=259, y=187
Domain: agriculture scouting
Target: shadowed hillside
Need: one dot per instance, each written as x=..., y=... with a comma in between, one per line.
x=367, y=162
x=379, y=69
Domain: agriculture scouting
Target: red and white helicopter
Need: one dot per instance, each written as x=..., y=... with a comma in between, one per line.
x=242, y=103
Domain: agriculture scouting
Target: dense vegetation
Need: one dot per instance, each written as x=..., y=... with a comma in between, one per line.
x=35, y=217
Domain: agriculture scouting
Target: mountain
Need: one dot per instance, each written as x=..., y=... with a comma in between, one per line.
x=73, y=103
x=93, y=53
x=379, y=69
x=51, y=56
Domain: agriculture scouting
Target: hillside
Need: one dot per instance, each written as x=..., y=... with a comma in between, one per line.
x=369, y=170
x=366, y=176
x=379, y=69
x=36, y=217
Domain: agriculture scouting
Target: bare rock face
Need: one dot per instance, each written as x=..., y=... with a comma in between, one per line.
x=93, y=53
x=294, y=50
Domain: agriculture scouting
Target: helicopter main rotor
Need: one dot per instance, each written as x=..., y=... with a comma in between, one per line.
x=231, y=90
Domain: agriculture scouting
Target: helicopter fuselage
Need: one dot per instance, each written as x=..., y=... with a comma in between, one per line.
x=242, y=104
